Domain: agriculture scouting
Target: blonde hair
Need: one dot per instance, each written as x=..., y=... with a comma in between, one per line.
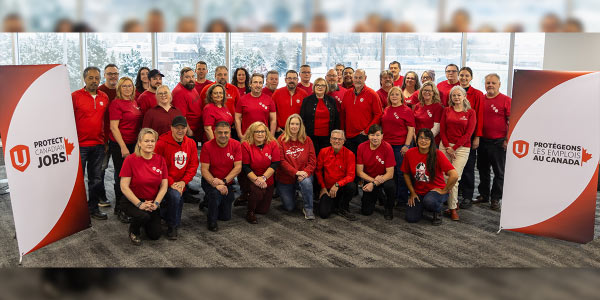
x=287, y=133
x=324, y=81
x=120, y=83
x=143, y=132
x=436, y=94
x=466, y=104
x=249, y=136
x=170, y=96
x=395, y=88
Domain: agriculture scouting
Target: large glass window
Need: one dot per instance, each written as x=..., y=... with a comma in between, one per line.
x=423, y=51
x=587, y=12
x=6, y=50
x=52, y=48
x=488, y=53
x=129, y=51
x=529, y=51
x=179, y=50
x=261, y=52
x=356, y=50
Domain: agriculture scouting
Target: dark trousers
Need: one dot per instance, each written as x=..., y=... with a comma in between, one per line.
x=431, y=201
x=401, y=188
x=320, y=142
x=171, y=207
x=91, y=157
x=466, y=186
x=491, y=154
x=115, y=153
x=219, y=206
x=259, y=200
x=370, y=198
x=352, y=143
x=342, y=199
x=139, y=218
x=102, y=188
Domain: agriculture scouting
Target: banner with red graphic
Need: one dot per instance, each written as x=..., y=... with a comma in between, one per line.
x=552, y=155
x=41, y=152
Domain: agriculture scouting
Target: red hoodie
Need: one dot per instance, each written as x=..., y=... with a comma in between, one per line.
x=182, y=160
x=295, y=156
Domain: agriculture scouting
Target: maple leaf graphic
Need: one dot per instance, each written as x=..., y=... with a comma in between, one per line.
x=68, y=147
x=585, y=156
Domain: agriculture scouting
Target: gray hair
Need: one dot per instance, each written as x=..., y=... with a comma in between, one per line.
x=466, y=103
x=339, y=132
x=85, y=72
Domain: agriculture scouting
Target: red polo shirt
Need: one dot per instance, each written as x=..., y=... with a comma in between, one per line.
x=190, y=105
x=338, y=96
x=286, y=104
x=400, y=81
x=360, y=111
x=200, y=86
x=89, y=117
x=475, y=98
x=383, y=96
x=307, y=89
x=335, y=167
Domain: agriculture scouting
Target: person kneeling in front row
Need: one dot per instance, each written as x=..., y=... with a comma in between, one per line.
x=424, y=167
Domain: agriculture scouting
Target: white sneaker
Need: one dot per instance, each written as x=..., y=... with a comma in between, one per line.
x=308, y=214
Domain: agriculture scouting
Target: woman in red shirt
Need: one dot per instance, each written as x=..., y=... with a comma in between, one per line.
x=298, y=162
x=141, y=81
x=424, y=167
x=456, y=128
x=320, y=115
x=215, y=110
x=161, y=116
x=410, y=85
x=260, y=159
x=428, y=112
x=144, y=184
x=241, y=80
x=125, y=123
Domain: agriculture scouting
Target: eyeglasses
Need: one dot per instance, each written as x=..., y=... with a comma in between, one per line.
x=427, y=91
x=163, y=94
x=260, y=132
x=127, y=86
x=292, y=78
x=337, y=139
x=112, y=74
x=320, y=86
x=425, y=77
x=424, y=138
x=451, y=71
x=410, y=78
x=305, y=72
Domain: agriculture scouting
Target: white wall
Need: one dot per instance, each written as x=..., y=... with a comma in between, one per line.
x=572, y=52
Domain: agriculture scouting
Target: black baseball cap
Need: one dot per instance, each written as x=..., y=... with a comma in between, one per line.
x=179, y=120
x=155, y=72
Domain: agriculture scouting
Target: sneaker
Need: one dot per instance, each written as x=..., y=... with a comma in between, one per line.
x=308, y=214
x=98, y=215
x=135, y=239
x=436, y=220
x=103, y=202
x=346, y=214
x=388, y=214
x=465, y=204
x=172, y=233
x=213, y=227
x=495, y=205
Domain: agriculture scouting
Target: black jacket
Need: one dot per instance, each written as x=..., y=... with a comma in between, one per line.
x=308, y=109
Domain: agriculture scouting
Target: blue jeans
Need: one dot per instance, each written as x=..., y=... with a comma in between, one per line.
x=401, y=188
x=432, y=201
x=219, y=206
x=171, y=207
x=287, y=193
x=92, y=157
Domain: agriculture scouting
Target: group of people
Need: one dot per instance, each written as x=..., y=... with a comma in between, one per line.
x=327, y=138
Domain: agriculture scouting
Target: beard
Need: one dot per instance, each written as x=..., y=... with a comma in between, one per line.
x=332, y=87
x=190, y=85
x=222, y=81
x=291, y=86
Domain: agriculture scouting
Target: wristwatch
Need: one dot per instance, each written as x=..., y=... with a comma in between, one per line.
x=337, y=185
x=157, y=203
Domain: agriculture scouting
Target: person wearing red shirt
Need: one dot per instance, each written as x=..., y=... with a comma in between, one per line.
x=111, y=74
x=147, y=99
x=395, y=68
x=142, y=83
x=466, y=186
x=232, y=93
x=305, y=84
x=456, y=128
x=386, y=81
x=221, y=162
x=89, y=106
x=428, y=111
x=445, y=86
x=335, y=90
x=255, y=107
x=271, y=83
x=161, y=116
x=187, y=100
x=260, y=159
x=335, y=171
x=398, y=128
x=424, y=167
x=125, y=124
x=361, y=108
x=181, y=156
x=427, y=75
x=241, y=80
x=215, y=110
x=298, y=162
x=348, y=74
x=144, y=183
x=411, y=85
x=320, y=115
x=201, y=81
x=288, y=100
x=492, y=150
x=375, y=165
x=339, y=69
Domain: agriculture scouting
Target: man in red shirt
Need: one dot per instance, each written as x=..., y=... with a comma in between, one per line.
x=187, y=100
x=305, y=83
x=386, y=80
x=336, y=91
x=221, y=162
x=233, y=95
x=335, y=174
x=255, y=107
x=181, y=156
x=201, y=81
x=271, y=83
x=339, y=70
x=395, y=68
x=445, y=86
x=111, y=74
x=492, y=144
x=347, y=75
x=89, y=106
x=147, y=99
x=288, y=100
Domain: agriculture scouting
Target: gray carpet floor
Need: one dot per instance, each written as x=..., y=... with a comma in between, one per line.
x=284, y=239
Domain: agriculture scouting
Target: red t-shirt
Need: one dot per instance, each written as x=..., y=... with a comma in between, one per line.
x=241, y=91
x=321, y=119
x=335, y=167
x=89, y=117
x=268, y=92
x=130, y=119
x=444, y=88
x=400, y=81
x=214, y=115
x=426, y=115
x=190, y=105
x=286, y=104
x=360, y=111
x=146, y=175
x=375, y=161
x=415, y=164
x=383, y=96
x=495, y=116
x=475, y=98
x=137, y=95
x=233, y=96
x=221, y=160
x=295, y=156
x=395, y=122
x=200, y=86
x=412, y=100
x=307, y=89
x=159, y=119
x=146, y=100
x=338, y=96
x=260, y=159
x=254, y=109
x=457, y=127
x=111, y=93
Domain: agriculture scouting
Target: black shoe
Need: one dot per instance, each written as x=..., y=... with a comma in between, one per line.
x=172, y=233
x=213, y=227
x=465, y=204
x=191, y=190
x=124, y=218
x=495, y=205
x=103, y=202
x=436, y=219
x=346, y=214
x=135, y=239
x=98, y=215
x=480, y=199
x=388, y=214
